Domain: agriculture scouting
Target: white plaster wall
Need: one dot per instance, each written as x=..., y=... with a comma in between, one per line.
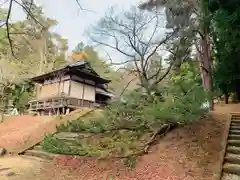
x=78, y=90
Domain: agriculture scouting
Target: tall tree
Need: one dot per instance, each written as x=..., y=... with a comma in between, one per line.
x=193, y=17
x=136, y=34
x=28, y=7
x=226, y=43
x=27, y=40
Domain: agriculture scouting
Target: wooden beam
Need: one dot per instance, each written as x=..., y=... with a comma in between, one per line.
x=83, y=93
x=69, y=88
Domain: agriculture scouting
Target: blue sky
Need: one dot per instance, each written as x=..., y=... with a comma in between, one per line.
x=72, y=22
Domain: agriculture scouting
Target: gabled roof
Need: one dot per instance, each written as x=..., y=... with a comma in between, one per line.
x=79, y=68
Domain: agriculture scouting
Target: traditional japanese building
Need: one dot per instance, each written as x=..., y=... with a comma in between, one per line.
x=71, y=87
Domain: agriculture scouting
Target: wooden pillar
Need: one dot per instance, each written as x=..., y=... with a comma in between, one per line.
x=67, y=111
x=69, y=87
x=83, y=92
x=58, y=112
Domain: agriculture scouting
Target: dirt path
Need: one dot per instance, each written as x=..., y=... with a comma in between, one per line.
x=19, y=168
x=19, y=131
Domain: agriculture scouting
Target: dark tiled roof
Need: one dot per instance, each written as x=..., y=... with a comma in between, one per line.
x=72, y=65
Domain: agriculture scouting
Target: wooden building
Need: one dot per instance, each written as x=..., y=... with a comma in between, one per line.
x=71, y=87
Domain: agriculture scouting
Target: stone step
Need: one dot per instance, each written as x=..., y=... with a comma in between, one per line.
x=232, y=158
x=234, y=143
x=235, y=128
x=33, y=158
x=234, y=136
x=235, y=124
x=235, y=121
x=233, y=149
x=38, y=147
x=236, y=117
x=40, y=154
x=72, y=135
x=67, y=135
x=237, y=132
x=228, y=176
x=231, y=168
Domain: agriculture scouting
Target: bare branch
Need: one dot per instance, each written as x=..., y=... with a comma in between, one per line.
x=81, y=7
x=116, y=47
x=169, y=67
x=29, y=13
x=125, y=88
x=129, y=33
x=198, y=32
x=8, y=28
x=157, y=46
x=165, y=74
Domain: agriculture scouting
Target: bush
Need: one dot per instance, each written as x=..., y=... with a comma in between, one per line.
x=54, y=145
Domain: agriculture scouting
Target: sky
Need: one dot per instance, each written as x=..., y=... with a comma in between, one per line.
x=72, y=21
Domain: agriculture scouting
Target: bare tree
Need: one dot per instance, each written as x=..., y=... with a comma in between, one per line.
x=138, y=35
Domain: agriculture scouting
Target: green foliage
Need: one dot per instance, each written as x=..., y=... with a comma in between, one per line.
x=130, y=162
x=115, y=143
x=54, y=145
x=226, y=50
x=229, y=5
x=181, y=105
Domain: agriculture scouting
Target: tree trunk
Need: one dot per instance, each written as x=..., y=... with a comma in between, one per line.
x=238, y=95
x=206, y=68
x=226, y=96
x=206, y=64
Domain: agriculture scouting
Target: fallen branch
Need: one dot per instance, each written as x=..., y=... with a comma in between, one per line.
x=160, y=132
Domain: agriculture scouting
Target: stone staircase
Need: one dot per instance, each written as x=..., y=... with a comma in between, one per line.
x=38, y=152
x=231, y=166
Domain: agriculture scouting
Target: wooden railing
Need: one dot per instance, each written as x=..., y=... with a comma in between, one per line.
x=60, y=102
x=100, y=104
